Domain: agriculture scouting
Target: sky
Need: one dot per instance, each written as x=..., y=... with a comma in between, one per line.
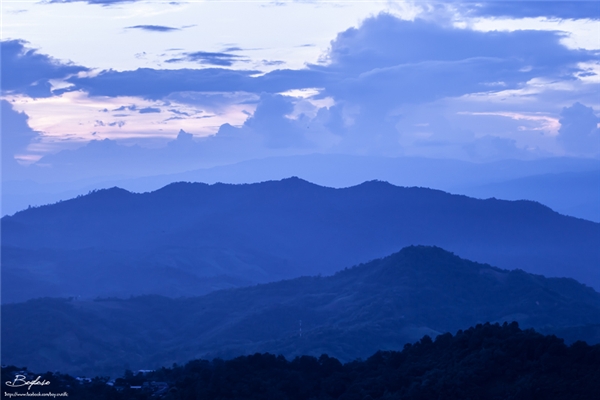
x=139, y=86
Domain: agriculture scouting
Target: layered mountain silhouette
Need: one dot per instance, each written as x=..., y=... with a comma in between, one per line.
x=570, y=193
x=567, y=185
x=188, y=239
x=380, y=305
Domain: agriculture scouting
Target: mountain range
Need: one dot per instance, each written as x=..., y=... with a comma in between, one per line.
x=380, y=305
x=567, y=185
x=189, y=239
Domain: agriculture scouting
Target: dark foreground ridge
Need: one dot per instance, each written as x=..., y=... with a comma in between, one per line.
x=188, y=239
x=381, y=305
x=489, y=361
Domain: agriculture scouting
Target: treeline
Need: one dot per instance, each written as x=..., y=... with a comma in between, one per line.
x=489, y=361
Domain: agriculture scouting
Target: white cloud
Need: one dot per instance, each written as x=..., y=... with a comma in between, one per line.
x=577, y=33
x=302, y=93
x=265, y=33
x=77, y=117
x=546, y=124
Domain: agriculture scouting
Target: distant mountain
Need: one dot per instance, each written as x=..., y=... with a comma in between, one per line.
x=188, y=239
x=569, y=193
x=380, y=305
x=332, y=170
x=340, y=170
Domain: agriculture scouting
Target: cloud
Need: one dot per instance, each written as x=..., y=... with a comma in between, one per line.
x=149, y=110
x=96, y=158
x=72, y=116
x=99, y=2
x=383, y=47
x=164, y=82
x=208, y=58
x=154, y=28
x=272, y=130
x=368, y=107
x=579, y=132
x=16, y=132
x=531, y=9
x=492, y=148
x=386, y=41
x=426, y=81
x=374, y=76
x=16, y=136
x=28, y=72
x=174, y=111
x=270, y=122
x=272, y=63
x=542, y=123
x=388, y=63
x=184, y=142
x=110, y=157
x=102, y=123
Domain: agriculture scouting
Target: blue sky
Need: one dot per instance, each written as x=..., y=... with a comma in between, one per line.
x=212, y=82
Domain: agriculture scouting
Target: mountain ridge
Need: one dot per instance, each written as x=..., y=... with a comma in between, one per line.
x=453, y=176
x=189, y=234
x=379, y=305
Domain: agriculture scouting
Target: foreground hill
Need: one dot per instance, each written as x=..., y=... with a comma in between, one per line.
x=484, y=362
x=381, y=305
x=189, y=239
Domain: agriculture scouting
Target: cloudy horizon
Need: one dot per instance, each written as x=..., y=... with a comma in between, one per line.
x=467, y=81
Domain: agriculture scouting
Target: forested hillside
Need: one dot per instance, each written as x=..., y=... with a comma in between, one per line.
x=381, y=305
x=189, y=239
x=484, y=362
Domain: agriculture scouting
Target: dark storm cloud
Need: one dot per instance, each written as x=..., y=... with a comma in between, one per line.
x=26, y=71
x=154, y=28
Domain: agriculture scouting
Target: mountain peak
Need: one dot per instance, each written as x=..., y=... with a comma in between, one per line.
x=296, y=181
x=419, y=260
